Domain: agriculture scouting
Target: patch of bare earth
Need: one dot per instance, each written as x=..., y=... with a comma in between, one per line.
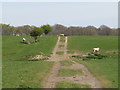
x=38, y=57
x=53, y=78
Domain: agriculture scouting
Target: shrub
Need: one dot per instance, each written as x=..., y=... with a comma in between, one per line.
x=90, y=56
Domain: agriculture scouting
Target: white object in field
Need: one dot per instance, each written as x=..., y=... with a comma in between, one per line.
x=61, y=34
x=41, y=35
x=17, y=35
x=96, y=50
x=24, y=39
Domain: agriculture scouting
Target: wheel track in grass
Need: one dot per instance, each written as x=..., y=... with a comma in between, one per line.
x=53, y=78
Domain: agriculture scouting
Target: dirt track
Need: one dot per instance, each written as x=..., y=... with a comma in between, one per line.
x=52, y=78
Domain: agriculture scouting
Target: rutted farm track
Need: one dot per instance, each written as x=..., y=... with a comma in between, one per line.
x=53, y=78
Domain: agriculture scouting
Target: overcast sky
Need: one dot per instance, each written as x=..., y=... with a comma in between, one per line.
x=65, y=13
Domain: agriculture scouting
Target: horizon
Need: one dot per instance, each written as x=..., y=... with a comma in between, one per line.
x=59, y=24
x=63, y=13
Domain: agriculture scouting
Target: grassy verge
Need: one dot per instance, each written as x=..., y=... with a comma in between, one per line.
x=70, y=72
x=18, y=72
x=62, y=39
x=66, y=63
x=66, y=84
x=60, y=46
x=70, y=52
x=60, y=53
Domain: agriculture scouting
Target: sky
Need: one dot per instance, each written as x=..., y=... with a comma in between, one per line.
x=59, y=0
x=65, y=13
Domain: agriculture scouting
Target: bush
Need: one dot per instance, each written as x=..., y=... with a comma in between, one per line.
x=76, y=56
x=90, y=56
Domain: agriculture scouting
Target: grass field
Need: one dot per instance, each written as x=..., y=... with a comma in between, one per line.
x=60, y=53
x=70, y=72
x=66, y=84
x=60, y=46
x=106, y=70
x=87, y=43
x=17, y=71
x=62, y=39
x=66, y=63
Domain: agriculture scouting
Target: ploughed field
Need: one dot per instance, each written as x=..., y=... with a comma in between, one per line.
x=18, y=72
x=106, y=69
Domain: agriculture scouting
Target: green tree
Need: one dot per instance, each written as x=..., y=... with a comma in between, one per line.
x=6, y=29
x=36, y=32
x=46, y=28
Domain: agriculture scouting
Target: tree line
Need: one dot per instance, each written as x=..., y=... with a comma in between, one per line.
x=57, y=29
x=89, y=30
x=24, y=30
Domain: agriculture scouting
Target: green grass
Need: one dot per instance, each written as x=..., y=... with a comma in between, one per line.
x=60, y=53
x=106, y=69
x=22, y=74
x=66, y=63
x=11, y=45
x=87, y=43
x=62, y=39
x=70, y=52
x=70, y=72
x=66, y=84
x=60, y=46
x=18, y=72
